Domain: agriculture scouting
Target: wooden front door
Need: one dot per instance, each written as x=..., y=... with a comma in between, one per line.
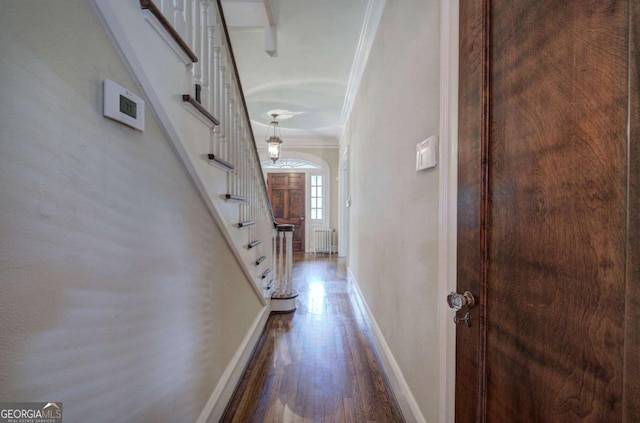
x=287, y=193
x=548, y=211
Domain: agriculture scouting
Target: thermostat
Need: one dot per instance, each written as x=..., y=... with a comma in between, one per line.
x=122, y=105
x=426, y=153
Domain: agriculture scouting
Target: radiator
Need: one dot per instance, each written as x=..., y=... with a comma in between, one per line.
x=322, y=240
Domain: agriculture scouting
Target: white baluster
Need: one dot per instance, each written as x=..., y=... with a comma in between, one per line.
x=221, y=109
x=231, y=142
x=280, y=264
x=288, y=287
x=196, y=37
x=232, y=103
x=188, y=22
x=274, y=239
x=204, y=51
x=211, y=44
x=215, y=88
x=239, y=145
x=226, y=128
x=178, y=17
x=245, y=172
x=236, y=148
x=165, y=8
x=243, y=169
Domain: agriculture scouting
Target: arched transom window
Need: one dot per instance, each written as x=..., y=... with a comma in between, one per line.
x=289, y=164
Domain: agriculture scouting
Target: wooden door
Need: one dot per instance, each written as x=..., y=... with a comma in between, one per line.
x=548, y=232
x=287, y=193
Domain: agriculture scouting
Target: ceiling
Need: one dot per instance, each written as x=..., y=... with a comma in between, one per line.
x=303, y=60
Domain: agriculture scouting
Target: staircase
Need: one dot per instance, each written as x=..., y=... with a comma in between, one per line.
x=179, y=53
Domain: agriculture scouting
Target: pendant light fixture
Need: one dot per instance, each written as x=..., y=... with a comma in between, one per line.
x=274, y=142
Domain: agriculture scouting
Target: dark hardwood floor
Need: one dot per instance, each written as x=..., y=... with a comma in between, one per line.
x=316, y=364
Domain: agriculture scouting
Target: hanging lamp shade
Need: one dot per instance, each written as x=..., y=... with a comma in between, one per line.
x=274, y=142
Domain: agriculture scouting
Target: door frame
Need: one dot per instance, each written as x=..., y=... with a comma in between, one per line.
x=448, y=204
x=324, y=170
x=344, y=201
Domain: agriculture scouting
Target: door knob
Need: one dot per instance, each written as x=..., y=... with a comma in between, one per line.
x=457, y=301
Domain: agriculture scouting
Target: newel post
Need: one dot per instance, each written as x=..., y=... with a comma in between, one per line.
x=284, y=297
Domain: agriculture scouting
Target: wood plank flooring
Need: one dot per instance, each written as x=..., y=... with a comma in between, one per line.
x=316, y=364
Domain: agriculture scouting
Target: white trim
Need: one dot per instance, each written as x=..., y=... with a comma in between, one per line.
x=404, y=396
x=343, y=207
x=162, y=32
x=221, y=395
x=372, y=18
x=447, y=208
x=196, y=113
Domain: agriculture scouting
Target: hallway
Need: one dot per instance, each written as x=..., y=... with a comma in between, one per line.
x=316, y=364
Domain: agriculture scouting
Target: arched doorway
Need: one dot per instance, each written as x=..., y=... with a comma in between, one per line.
x=317, y=189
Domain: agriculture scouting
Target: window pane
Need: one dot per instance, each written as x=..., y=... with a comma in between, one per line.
x=319, y=192
x=319, y=214
x=314, y=191
x=319, y=180
x=314, y=203
x=313, y=179
x=313, y=214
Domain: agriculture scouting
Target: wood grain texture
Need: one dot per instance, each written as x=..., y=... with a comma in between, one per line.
x=287, y=193
x=631, y=398
x=472, y=136
x=561, y=180
x=558, y=166
x=316, y=364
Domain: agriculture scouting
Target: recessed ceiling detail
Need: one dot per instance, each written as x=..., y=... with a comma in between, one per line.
x=283, y=114
x=318, y=45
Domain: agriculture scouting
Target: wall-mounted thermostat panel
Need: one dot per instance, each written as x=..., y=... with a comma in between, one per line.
x=123, y=106
x=427, y=153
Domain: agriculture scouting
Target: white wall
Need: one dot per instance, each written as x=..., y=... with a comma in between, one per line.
x=393, y=233
x=119, y=296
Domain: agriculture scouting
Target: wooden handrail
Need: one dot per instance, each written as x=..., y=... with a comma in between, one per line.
x=244, y=107
x=151, y=7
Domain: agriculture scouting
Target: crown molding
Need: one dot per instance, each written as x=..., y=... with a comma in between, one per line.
x=372, y=18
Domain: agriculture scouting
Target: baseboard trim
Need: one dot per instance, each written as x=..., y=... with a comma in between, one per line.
x=214, y=409
x=405, y=398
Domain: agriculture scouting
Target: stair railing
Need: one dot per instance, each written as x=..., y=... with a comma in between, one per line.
x=199, y=33
x=216, y=91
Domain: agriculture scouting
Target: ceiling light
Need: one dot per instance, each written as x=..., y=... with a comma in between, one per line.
x=274, y=142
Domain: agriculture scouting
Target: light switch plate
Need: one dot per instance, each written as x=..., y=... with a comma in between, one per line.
x=427, y=153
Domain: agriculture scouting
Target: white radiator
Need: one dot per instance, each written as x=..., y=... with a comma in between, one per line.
x=322, y=240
